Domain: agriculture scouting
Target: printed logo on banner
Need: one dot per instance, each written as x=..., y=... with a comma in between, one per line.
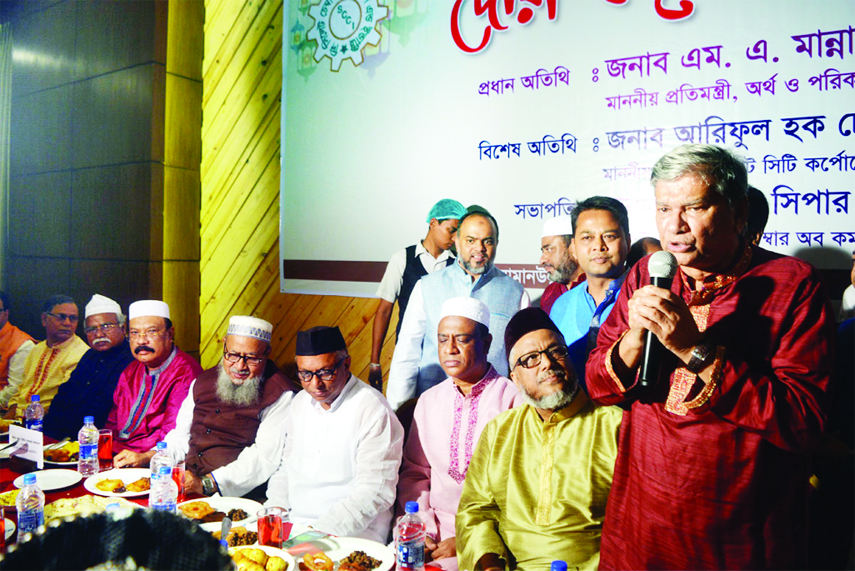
x=342, y=28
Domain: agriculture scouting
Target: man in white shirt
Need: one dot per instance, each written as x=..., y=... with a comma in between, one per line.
x=229, y=427
x=343, y=446
x=405, y=268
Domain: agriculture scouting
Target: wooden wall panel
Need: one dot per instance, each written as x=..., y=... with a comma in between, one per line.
x=242, y=81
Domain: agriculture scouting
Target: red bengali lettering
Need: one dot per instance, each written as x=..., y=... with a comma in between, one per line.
x=491, y=9
x=686, y=9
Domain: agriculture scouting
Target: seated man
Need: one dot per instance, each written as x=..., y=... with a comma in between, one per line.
x=89, y=390
x=448, y=421
x=15, y=347
x=229, y=427
x=537, y=486
x=151, y=389
x=51, y=362
x=342, y=446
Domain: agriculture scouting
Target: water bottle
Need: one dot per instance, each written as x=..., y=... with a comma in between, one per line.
x=410, y=543
x=87, y=458
x=164, y=493
x=31, y=507
x=34, y=414
x=160, y=458
x=558, y=565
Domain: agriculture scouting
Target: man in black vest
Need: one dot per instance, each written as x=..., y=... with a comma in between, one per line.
x=405, y=268
x=229, y=427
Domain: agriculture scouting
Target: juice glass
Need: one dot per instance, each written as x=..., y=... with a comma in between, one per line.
x=105, y=449
x=178, y=478
x=273, y=527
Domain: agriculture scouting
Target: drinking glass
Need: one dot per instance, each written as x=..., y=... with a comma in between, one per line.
x=178, y=477
x=105, y=449
x=273, y=527
x=2, y=530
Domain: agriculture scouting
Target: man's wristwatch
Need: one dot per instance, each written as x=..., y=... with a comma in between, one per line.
x=209, y=486
x=701, y=355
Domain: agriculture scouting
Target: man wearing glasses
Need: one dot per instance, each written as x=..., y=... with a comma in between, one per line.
x=537, y=486
x=51, y=362
x=150, y=391
x=91, y=385
x=229, y=427
x=343, y=446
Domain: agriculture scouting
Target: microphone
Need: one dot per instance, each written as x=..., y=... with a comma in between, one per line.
x=662, y=267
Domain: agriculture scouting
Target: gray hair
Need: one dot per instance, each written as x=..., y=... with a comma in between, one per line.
x=720, y=169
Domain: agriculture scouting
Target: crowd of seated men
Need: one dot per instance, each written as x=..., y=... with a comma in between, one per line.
x=526, y=434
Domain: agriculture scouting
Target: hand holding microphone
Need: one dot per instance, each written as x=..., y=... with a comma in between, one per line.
x=662, y=267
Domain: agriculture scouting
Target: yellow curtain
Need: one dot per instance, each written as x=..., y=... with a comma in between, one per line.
x=5, y=131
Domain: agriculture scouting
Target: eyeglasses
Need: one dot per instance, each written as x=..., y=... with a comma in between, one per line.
x=556, y=353
x=148, y=333
x=248, y=359
x=322, y=374
x=63, y=316
x=105, y=327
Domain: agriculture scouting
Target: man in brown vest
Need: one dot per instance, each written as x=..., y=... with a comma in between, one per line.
x=230, y=425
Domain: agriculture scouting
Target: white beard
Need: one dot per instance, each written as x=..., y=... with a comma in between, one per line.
x=555, y=401
x=237, y=395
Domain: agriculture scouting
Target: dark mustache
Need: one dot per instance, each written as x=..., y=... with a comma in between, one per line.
x=143, y=349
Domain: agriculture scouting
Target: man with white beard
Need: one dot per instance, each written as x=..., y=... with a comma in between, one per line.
x=229, y=427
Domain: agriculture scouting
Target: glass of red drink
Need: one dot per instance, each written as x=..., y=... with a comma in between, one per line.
x=105, y=449
x=273, y=527
x=2, y=530
x=178, y=478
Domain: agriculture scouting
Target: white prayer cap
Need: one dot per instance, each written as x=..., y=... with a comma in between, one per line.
x=468, y=307
x=558, y=226
x=100, y=304
x=246, y=326
x=148, y=308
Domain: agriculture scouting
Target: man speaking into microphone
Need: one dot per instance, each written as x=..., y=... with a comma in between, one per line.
x=712, y=466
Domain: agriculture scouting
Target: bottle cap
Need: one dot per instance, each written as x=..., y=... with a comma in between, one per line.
x=29, y=479
x=35, y=398
x=161, y=445
x=88, y=420
x=164, y=471
x=412, y=507
x=558, y=566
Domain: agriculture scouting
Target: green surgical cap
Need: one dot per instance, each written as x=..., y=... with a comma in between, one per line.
x=445, y=209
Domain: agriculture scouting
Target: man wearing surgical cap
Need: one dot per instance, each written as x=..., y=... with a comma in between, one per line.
x=151, y=389
x=558, y=259
x=405, y=268
x=449, y=419
x=89, y=389
x=229, y=427
x=342, y=446
x=537, y=486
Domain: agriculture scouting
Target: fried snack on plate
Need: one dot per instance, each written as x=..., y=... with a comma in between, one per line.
x=319, y=561
x=108, y=485
x=7, y=499
x=238, y=536
x=276, y=564
x=141, y=485
x=196, y=510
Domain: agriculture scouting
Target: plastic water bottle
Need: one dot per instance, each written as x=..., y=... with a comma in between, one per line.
x=87, y=458
x=558, y=565
x=410, y=543
x=160, y=458
x=164, y=493
x=31, y=507
x=34, y=414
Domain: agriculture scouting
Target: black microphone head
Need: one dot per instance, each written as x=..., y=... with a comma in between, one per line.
x=662, y=265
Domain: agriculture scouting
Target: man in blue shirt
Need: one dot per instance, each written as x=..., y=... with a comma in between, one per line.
x=600, y=244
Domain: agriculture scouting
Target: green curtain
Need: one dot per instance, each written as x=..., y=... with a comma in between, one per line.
x=5, y=132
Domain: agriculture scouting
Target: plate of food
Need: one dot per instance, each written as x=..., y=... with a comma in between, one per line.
x=211, y=511
x=49, y=480
x=239, y=535
x=62, y=455
x=262, y=558
x=120, y=483
x=8, y=499
x=348, y=554
x=10, y=528
x=83, y=506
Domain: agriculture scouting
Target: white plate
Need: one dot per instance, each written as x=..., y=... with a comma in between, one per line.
x=10, y=529
x=271, y=552
x=127, y=475
x=48, y=480
x=340, y=547
x=224, y=504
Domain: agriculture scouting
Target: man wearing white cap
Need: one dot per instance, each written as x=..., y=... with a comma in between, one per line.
x=448, y=422
x=151, y=390
x=51, y=362
x=229, y=427
x=557, y=258
x=89, y=390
